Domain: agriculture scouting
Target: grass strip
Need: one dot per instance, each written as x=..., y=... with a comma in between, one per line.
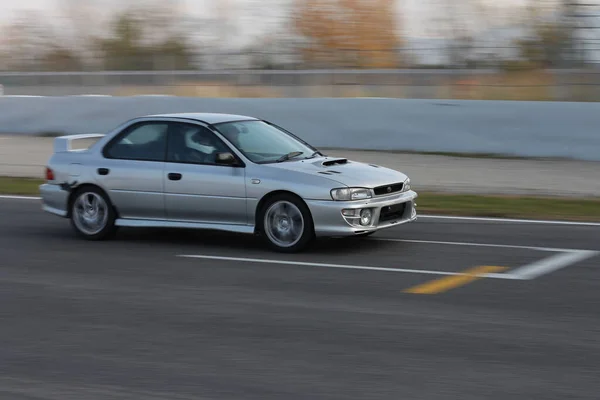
x=530, y=207
x=20, y=186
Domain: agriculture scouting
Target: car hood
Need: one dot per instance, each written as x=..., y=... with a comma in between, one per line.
x=344, y=171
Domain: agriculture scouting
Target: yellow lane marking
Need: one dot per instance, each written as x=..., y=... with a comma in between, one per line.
x=450, y=282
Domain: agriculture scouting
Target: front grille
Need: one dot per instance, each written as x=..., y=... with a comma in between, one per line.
x=388, y=189
x=392, y=212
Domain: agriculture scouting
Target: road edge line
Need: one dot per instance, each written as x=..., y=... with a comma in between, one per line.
x=508, y=220
x=340, y=266
x=17, y=197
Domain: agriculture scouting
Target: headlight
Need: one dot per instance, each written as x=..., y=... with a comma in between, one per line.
x=349, y=194
x=406, y=186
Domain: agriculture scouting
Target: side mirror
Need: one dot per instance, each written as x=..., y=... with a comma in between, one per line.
x=226, y=159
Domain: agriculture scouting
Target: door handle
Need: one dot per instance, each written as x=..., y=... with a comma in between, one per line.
x=174, y=176
x=103, y=171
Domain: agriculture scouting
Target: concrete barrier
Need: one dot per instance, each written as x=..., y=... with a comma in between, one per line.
x=529, y=129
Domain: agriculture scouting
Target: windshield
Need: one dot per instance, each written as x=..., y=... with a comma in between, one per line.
x=264, y=143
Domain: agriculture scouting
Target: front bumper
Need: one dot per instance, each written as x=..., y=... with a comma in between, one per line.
x=54, y=199
x=329, y=221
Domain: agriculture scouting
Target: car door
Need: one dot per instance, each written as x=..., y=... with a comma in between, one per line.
x=197, y=188
x=132, y=170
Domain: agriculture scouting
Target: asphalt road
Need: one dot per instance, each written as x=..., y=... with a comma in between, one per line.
x=131, y=319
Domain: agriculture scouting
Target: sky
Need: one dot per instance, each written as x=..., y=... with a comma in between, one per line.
x=256, y=17
x=422, y=20
x=414, y=12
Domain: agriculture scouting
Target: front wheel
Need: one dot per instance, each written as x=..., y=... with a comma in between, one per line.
x=286, y=224
x=92, y=215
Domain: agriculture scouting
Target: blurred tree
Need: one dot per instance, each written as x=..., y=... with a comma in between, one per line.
x=470, y=31
x=60, y=59
x=348, y=33
x=145, y=39
x=547, y=46
x=26, y=39
x=124, y=50
x=33, y=45
x=548, y=42
x=79, y=21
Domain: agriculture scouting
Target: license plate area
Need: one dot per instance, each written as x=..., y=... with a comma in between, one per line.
x=392, y=212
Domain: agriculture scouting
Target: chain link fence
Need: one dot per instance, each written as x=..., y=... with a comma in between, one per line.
x=476, y=84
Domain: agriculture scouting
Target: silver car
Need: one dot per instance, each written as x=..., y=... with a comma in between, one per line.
x=222, y=172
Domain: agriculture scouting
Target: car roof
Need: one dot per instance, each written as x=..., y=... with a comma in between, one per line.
x=209, y=118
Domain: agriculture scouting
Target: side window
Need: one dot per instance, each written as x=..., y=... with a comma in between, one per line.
x=146, y=141
x=193, y=144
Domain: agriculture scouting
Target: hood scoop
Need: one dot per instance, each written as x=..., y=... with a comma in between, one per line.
x=329, y=172
x=336, y=161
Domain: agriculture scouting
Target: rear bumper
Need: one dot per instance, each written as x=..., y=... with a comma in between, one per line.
x=329, y=221
x=54, y=199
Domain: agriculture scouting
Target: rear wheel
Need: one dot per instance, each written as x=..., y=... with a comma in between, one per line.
x=286, y=224
x=92, y=214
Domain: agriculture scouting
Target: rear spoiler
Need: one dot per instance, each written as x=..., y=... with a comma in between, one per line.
x=62, y=144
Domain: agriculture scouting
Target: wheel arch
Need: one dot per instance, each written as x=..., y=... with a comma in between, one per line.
x=268, y=196
x=79, y=188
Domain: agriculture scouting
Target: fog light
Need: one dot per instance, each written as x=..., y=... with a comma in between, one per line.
x=365, y=217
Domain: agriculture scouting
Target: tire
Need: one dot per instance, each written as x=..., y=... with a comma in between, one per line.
x=91, y=206
x=285, y=224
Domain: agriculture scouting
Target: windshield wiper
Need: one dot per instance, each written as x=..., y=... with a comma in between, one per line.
x=313, y=155
x=289, y=155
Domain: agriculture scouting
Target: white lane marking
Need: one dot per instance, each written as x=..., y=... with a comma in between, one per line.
x=551, y=264
x=14, y=197
x=325, y=265
x=510, y=220
x=526, y=272
x=473, y=244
